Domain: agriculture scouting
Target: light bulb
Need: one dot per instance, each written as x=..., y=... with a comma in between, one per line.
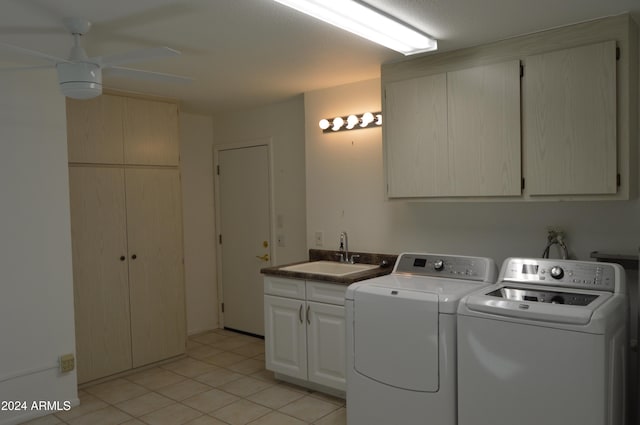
x=324, y=123
x=338, y=122
x=379, y=119
x=367, y=118
x=352, y=120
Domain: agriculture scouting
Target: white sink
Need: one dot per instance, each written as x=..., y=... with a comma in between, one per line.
x=329, y=268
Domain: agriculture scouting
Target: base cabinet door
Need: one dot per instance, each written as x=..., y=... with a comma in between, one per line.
x=285, y=336
x=326, y=344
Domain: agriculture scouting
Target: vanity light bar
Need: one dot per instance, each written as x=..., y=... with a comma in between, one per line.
x=351, y=122
x=361, y=19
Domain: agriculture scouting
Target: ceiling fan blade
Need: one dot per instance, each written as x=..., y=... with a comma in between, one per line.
x=33, y=53
x=137, y=56
x=24, y=68
x=146, y=75
x=14, y=30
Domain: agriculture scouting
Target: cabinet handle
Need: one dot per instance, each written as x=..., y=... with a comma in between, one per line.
x=300, y=313
x=134, y=256
x=308, y=315
x=122, y=258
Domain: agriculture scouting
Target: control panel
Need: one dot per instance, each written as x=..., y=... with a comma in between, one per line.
x=449, y=266
x=566, y=273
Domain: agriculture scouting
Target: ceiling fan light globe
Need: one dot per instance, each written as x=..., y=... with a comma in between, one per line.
x=80, y=80
x=81, y=90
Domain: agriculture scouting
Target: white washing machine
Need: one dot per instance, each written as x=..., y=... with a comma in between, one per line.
x=401, y=339
x=546, y=345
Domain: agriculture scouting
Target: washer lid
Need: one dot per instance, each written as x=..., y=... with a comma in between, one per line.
x=512, y=301
x=396, y=337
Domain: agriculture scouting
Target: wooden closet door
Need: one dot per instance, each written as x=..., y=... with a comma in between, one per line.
x=156, y=278
x=101, y=290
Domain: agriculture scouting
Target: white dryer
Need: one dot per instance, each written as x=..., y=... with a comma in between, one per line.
x=401, y=339
x=546, y=345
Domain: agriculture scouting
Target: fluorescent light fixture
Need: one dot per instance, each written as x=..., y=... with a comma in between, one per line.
x=361, y=19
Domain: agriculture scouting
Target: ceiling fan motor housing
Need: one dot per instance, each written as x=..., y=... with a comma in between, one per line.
x=80, y=80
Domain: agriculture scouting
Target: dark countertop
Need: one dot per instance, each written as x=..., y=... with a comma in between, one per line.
x=318, y=255
x=628, y=260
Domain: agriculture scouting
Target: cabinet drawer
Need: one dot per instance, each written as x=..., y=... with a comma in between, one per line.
x=282, y=287
x=326, y=292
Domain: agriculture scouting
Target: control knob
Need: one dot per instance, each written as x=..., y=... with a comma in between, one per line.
x=557, y=272
x=438, y=265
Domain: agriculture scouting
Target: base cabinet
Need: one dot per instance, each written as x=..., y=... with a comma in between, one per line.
x=305, y=331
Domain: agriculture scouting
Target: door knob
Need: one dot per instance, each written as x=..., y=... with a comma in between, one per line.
x=264, y=257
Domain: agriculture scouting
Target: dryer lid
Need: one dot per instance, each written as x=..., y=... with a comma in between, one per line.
x=396, y=337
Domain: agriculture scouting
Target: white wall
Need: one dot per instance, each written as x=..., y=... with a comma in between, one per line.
x=284, y=123
x=196, y=155
x=345, y=191
x=36, y=291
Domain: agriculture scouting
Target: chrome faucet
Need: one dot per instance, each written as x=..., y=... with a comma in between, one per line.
x=344, y=249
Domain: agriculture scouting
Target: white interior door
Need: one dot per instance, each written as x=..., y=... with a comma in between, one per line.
x=244, y=220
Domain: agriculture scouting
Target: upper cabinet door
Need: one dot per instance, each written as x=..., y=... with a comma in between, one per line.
x=484, y=130
x=94, y=130
x=151, y=132
x=415, y=135
x=569, y=114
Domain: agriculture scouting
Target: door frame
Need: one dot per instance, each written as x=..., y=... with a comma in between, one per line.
x=268, y=142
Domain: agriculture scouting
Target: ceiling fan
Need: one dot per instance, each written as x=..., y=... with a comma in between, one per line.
x=80, y=76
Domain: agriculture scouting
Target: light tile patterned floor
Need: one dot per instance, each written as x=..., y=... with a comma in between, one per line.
x=222, y=381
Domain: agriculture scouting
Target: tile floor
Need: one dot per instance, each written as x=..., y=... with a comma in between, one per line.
x=221, y=381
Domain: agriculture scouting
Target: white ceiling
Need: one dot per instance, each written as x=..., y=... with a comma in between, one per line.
x=247, y=53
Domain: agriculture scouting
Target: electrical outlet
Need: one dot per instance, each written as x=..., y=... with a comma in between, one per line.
x=67, y=363
x=319, y=238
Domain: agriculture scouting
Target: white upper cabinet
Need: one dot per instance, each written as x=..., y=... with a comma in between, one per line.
x=547, y=116
x=455, y=133
x=569, y=120
x=122, y=130
x=416, y=137
x=484, y=130
x=151, y=132
x=94, y=130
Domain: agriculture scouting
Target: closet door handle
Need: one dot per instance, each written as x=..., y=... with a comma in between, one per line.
x=122, y=258
x=300, y=314
x=308, y=315
x=134, y=256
